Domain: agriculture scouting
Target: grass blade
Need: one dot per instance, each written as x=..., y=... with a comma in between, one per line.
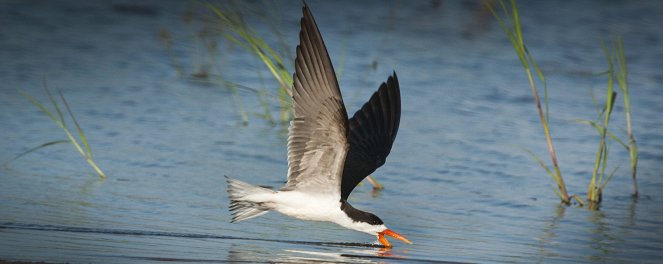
x=241, y=34
x=599, y=127
x=35, y=149
x=622, y=81
x=545, y=167
x=595, y=188
x=42, y=108
x=88, y=151
x=57, y=109
x=515, y=35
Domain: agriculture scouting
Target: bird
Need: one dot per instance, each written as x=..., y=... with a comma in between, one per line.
x=328, y=154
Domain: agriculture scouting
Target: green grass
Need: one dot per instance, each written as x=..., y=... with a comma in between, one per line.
x=599, y=180
x=83, y=147
x=616, y=71
x=223, y=25
x=241, y=34
x=622, y=80
x=510, y=23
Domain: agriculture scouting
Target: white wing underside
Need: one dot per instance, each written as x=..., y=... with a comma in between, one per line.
x=317, y=138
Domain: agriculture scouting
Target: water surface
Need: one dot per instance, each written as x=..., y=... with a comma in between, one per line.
x=457, y=182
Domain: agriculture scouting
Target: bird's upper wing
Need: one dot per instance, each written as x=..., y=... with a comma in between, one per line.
x=373, y=129
x=317, y=138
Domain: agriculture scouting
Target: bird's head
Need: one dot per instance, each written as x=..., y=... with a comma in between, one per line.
x=372, y=224
x=369, y=223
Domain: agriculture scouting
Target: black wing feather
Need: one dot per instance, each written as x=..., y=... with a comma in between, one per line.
x=373, y=129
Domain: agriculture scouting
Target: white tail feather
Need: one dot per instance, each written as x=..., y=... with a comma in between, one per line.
x=241, y=207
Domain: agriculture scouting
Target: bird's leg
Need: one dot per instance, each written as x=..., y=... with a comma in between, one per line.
x=374, y=182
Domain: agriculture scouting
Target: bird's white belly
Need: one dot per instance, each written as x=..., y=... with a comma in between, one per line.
x=308, y=207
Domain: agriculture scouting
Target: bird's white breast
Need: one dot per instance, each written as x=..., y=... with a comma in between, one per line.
x=313, y=207
x=308, y=206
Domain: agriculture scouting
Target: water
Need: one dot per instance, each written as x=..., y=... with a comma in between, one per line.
x=457, y=183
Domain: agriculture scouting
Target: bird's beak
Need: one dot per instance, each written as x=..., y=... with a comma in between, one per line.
x=393, y=234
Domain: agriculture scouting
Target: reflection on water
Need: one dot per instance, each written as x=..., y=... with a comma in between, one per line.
x=456, y=182
x=318, y=251
x=348, y=250
x=73, y=229
x=550, y=233
x=602, y=241
x=606, y=235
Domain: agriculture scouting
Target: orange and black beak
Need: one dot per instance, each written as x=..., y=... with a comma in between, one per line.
x=393, y=234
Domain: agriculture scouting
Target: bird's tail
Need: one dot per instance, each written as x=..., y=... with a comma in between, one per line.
x=242, y=205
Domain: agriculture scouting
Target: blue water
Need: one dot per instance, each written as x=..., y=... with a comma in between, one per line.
x=457, y=182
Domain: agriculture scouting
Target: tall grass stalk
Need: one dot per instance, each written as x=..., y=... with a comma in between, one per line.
x=597, y=183
x=240, y=33
x=85, y=149
x=616, y=71
x=511, y=26
x=622, y=80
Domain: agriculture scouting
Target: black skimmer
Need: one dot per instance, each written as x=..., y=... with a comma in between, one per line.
x=328, y=155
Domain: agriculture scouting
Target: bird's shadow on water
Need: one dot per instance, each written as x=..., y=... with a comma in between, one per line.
x=129, y=232
x=364, y=251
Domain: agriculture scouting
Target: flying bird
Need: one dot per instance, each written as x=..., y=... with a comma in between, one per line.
x=328, y=155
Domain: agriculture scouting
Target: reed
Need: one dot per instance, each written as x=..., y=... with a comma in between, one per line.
x=616, y=71
x=240, y=33
x=510, y=23
x=59, y=119
x=622, y=80
x=598, y=182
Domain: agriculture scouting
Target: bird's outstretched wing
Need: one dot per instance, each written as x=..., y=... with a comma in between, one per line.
x=317, y=138
x=373, y=129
